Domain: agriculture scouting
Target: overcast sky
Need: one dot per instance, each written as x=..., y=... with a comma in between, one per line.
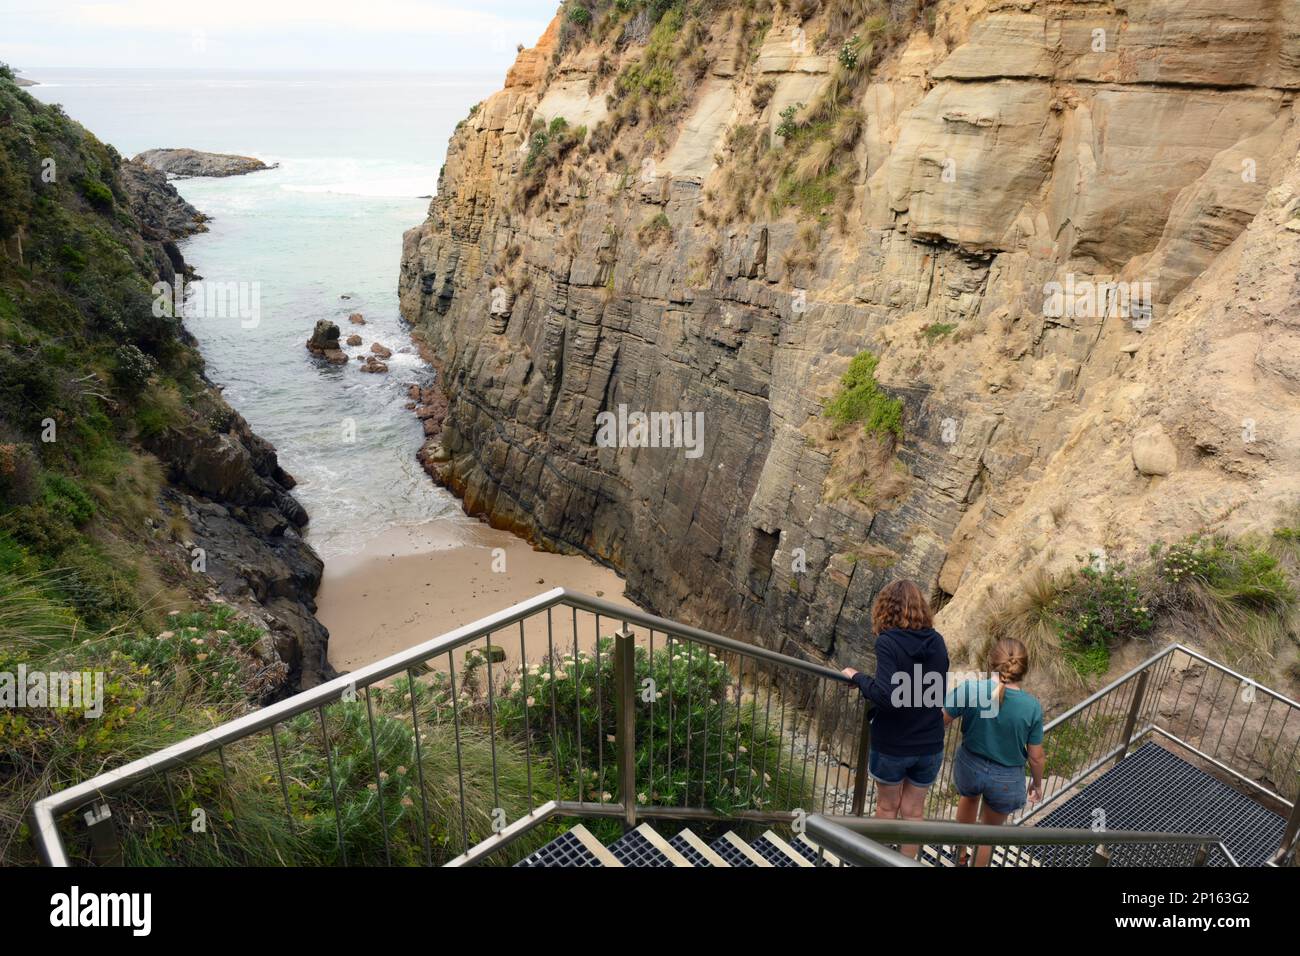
x=459, y=35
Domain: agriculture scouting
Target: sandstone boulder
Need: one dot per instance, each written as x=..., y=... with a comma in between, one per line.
x=1154, y=452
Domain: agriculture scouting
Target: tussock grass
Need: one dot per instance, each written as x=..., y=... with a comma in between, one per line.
x=1026, y=614
x=1235, y=597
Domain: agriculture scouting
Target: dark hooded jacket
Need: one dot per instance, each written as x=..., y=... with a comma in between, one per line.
x=907, y=692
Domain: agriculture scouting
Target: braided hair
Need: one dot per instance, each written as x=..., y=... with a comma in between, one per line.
x=1009, y=660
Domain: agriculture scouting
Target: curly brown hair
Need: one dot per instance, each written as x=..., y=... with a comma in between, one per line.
x=900, y=604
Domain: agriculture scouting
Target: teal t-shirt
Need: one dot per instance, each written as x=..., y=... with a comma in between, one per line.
x=997, y=733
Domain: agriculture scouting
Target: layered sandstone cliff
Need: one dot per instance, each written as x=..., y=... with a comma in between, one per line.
x=994, y=148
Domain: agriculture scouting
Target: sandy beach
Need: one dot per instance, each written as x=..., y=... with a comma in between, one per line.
x=411, y=584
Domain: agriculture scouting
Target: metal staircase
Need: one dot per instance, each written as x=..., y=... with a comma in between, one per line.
x=645, y=847
x=665, y=732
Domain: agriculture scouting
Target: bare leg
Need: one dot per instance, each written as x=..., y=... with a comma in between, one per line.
x=968, y=809
x=994, y=819
x=889, y=796
x=913, y=808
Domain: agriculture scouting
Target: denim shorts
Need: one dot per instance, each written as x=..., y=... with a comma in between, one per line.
x=1002, y=787
x=919, y=770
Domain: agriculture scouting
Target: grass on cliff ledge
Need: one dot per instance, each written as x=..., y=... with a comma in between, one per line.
x=861, y=400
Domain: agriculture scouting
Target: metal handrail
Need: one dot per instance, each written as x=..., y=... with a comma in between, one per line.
x=1109, y=702
x=982, y=834
x=46, y=810
x=850, y=845
x=1112, y=686
x=875, y=831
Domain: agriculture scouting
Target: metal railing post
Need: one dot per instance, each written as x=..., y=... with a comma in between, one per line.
x=625, y=722
x=1291, y=829
x=860, y=775
x=1130, y=722
x=104, y=847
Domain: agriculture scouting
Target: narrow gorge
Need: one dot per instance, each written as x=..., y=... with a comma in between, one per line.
x=716, y=208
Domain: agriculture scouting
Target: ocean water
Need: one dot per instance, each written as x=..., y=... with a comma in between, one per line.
x=318, y=237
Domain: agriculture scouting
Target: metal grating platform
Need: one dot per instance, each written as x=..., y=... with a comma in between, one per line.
x=808, y=853
x=729, y=852
x=684, y=847
x=768, y=851
x=632, y=849
x=564, y=850
x=1154, y=789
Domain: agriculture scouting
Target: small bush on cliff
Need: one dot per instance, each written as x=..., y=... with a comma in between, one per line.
x=655, y=230
x=861, y=400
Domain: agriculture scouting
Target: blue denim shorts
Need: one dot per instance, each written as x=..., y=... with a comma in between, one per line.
x=1002, y=787
x=919, y=771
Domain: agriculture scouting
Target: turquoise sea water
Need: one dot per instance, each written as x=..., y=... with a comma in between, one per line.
x=356, y=151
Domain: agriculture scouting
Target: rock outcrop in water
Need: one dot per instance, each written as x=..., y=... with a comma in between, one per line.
x=180, y=163
x=965, y=210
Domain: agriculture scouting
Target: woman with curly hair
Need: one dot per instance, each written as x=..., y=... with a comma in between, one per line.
x=906, y=696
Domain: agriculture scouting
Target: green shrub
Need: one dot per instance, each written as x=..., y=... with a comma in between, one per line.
x=848, y=54
x=66, y=500
x=697, y=744
x=132, y=369
x=789, y=125
x=96, y=193
x=937, y=330
x=860, y=399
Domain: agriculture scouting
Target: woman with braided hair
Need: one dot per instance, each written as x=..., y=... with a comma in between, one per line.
x=906, y=701
x=1001, y=731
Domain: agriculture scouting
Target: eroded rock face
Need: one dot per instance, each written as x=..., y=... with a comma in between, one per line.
x=228, y=486
x=1014, y=151
x=163, y=214
x=225, y=483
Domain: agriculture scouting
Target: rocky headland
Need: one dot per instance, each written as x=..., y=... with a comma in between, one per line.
x=155, y=488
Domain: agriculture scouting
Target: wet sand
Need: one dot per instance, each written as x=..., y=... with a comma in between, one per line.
x=412, y=584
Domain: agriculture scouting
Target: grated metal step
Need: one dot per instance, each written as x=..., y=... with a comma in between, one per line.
x=813, y=853
x=699, y=853
x=736, y=851
x=577, y=847
x=644, y=847
x=777, y=852
x=947, y=855
x=1154, y=789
